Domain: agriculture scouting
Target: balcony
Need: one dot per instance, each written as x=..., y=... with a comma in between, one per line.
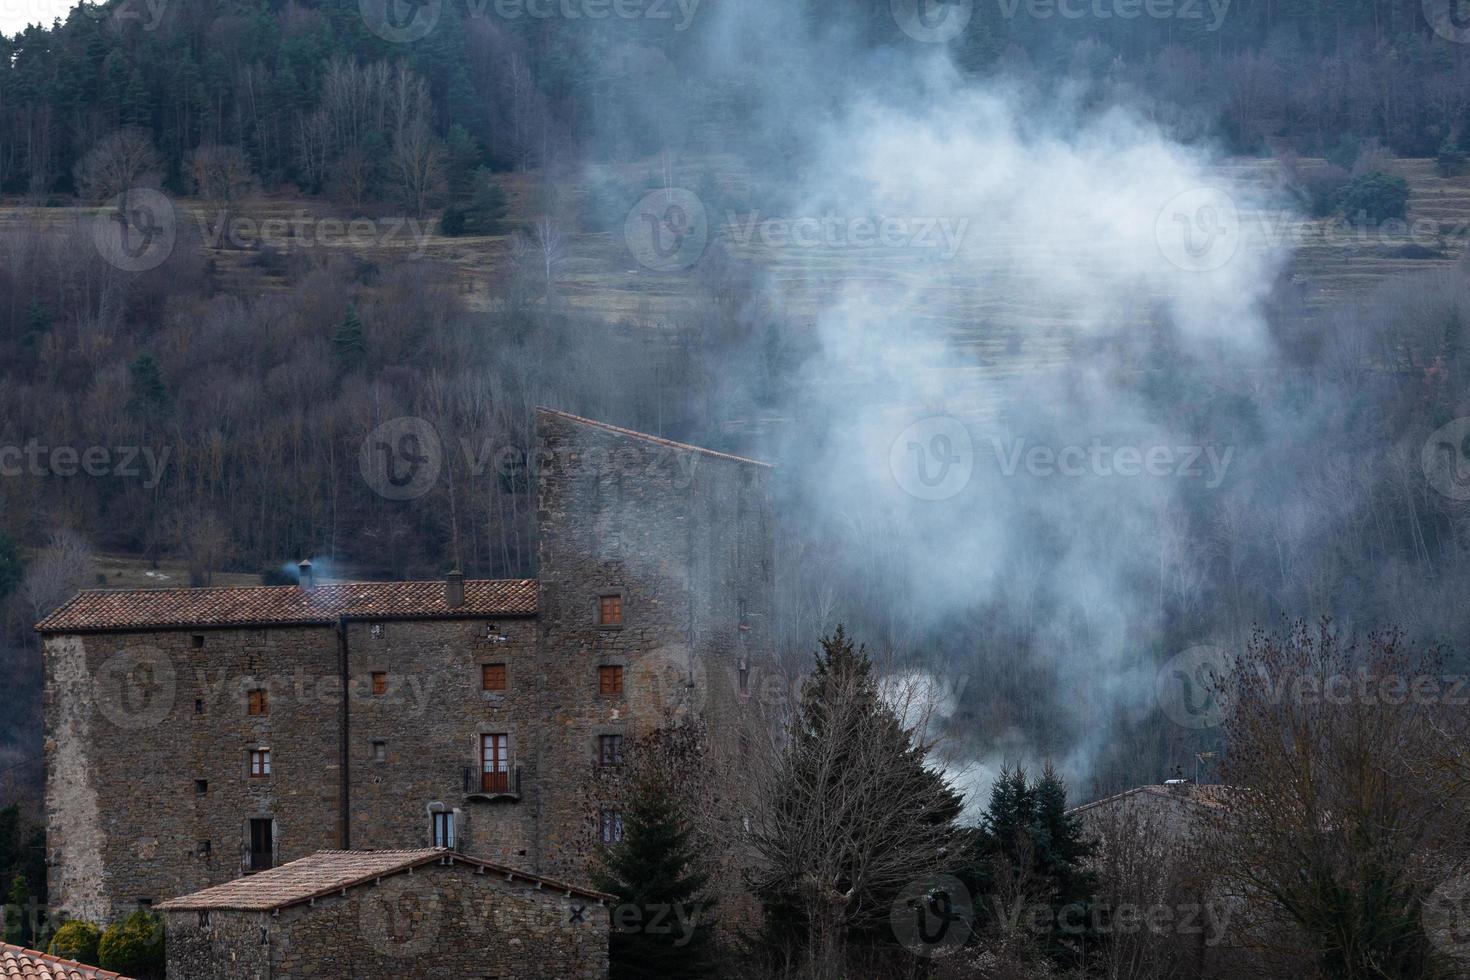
x=494, y=786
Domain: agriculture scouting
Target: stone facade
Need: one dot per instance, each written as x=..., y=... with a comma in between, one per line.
x=438, y=921
x=149, y=730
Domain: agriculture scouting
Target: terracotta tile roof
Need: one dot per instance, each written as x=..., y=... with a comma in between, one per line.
x=18, y=963
x=656, y=440
x=329, y=872
x=134, y=609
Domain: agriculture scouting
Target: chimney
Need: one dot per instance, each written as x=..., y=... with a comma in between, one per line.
x=304, y=570
x=454, y=589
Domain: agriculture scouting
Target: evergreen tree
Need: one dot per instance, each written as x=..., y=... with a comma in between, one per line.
x=17, y=912
x=38, y=322
x=661, y=925
x=350, y=344
x=12, y=570
x=149, y=392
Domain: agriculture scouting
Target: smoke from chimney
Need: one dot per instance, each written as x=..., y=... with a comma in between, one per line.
x=305, y=576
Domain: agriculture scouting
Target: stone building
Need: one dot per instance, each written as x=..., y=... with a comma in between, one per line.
x=384, y=915
x=195, y=735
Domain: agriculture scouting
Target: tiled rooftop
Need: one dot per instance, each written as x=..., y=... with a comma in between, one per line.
x=18, y=963
x=329, y=872
x=136, y=609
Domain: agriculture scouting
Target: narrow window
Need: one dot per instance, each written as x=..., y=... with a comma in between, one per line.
x=611, y=830
x=380, y=750
x=380, y=682
x=610, y=750
x=259, y=702
x=610, y=610
x=492, y=677
x=262, y=844
x=260, y=763
x=199, y=706
x=444, y=828
x=495, y=763
x=198, y=640
x=204, y=918
x=201, y=786
x=609, y=681
x=204, y=848
x=744, y=675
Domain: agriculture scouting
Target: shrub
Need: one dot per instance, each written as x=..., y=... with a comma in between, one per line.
x=452, y=224
x=134, y=947
x=1451, y=159
x=1375, y=197
x=77, y=940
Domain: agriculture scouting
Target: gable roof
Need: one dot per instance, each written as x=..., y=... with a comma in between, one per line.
x=656, y=440
x=330, y=872
x=19, y=963
x=290, y=605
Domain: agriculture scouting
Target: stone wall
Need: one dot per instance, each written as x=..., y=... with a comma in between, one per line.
x=439, y=921
x=135, y=722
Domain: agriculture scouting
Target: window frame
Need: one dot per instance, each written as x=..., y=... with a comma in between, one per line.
x=485, y=677
x=257, y=702
x=450, y=839
x=615, y=671
x=378, y=682
x=259, y=763
x=498, y=756
x=599, y=606
x=610, y=750
x=610, y=825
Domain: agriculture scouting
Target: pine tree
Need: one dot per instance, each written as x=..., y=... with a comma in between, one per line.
x=17, y=912
x=350, y=343
x=149, y=392
x=38, y=322
x=660, y=921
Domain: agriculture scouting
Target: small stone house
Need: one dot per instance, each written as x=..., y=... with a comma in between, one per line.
x=385, y=915
x=19, y=963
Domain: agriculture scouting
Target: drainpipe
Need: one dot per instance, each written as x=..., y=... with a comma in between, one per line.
x=344, y=773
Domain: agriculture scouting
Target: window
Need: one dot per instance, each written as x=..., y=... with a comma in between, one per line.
x=199, y=706
x=377, y=631
x=444, y=828
x=198, y=640
x=610, y=610
x=492, y=677
x=611, y=829
x=262, y=844
x=201, y=786
x=260, y=763
x=380, y=750
x=259, y=703
x=204, y=848
x=380, y=682
x=744, y=676
x=610, y=750
x=495, y=763
x=204, y=918
x=609, y=681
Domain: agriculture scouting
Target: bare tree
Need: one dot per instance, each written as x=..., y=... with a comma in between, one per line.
x=64, y=566
x=120, y=162
x=220, y=175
